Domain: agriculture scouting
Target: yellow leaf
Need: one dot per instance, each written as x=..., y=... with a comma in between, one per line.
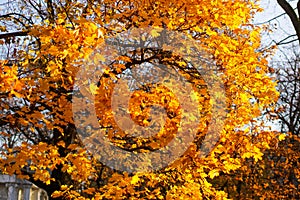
x=60, y=21
x=134, y=180
x=17, y=94
x=56, y=194
x=213, y=173
x=63, y=187
x=93, y=88
x=89, y=191
x=18, y=85
x=61, y=143
x=281, y=137
x=72, y=146
x=154, y=33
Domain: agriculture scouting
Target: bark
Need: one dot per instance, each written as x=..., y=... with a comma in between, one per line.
x=14, y=34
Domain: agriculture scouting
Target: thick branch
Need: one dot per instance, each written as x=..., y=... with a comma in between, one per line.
x=14, y=34
x=292, y=14
x=17, y=14
x=298, y=7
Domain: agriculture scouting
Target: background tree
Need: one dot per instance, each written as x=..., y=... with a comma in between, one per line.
x=288, y=73
x=44, y=43
x=288, y=85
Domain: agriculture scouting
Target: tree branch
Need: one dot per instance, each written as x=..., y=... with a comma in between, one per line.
x=282, y=41
x=14, y=34
x=268, y=21
x=298, y=7
x=292, y=14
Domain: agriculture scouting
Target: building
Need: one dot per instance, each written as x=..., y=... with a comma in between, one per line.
x=12, y=188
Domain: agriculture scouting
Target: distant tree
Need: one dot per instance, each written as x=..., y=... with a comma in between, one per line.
x=288, y=76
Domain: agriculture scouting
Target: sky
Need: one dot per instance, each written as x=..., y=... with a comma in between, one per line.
x=282, y=26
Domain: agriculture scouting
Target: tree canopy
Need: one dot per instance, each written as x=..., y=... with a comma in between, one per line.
x=47, y=44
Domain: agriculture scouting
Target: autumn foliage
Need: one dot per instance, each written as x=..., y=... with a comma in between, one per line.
x=45, y=45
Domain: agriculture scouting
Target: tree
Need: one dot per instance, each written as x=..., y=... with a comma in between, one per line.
x=47, y=43
x=287, y=74
x=288, y=85
x=277, y=174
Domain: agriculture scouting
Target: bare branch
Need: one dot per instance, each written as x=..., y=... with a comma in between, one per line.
x=292, y=14
x=268, y=21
